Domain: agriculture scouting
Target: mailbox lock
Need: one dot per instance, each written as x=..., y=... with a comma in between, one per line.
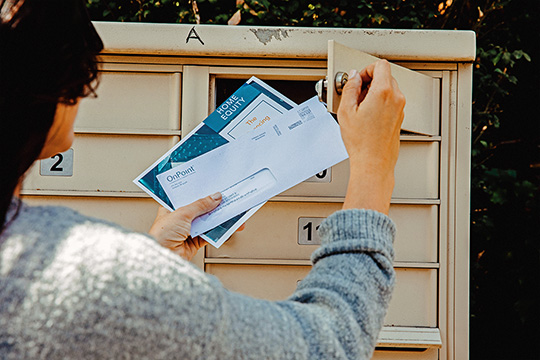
x=340, y=80
x=320, y=88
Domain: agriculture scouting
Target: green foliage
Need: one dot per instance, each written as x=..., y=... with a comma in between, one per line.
x=505, y=236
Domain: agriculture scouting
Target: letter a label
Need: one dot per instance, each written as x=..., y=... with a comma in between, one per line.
x=193, y=35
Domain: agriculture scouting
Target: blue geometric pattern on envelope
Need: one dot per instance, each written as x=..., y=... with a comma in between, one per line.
x=204, y=140
x=201, y=142
x=216, y=233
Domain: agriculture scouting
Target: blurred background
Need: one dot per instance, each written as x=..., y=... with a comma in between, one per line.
x=505, y=217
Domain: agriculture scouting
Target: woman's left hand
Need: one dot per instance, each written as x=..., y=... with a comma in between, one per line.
x=172, y=229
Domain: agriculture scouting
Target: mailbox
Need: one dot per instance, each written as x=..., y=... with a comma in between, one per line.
x=159, y=81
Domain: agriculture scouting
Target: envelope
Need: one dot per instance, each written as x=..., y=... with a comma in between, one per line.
x=249, y=171
x=254, y=105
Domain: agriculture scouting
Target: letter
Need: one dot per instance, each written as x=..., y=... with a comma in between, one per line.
x=193, y=35
x=241, y=100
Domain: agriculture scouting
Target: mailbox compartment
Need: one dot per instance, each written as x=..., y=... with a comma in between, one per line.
x=270, y=282
x=416, y=174
x=276, y=231
x=104, y=164
x=133, y=100
x=406, y=354
x=414, y=302
x=135, y=214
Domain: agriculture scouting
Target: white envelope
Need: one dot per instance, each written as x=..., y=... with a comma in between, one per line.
x=258, y=166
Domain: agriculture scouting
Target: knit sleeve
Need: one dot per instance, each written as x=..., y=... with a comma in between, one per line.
x=107, y=293
x=335, y=313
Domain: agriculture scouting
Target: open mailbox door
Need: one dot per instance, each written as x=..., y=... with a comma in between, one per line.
x=421, y=92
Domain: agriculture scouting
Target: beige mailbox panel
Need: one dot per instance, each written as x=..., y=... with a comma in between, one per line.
x=414, y=302
x=417, y=175
x=271, y=282
x=414, y=354
x=272, y=233
x=135, y=214
x=104, y=163
x=134, y=101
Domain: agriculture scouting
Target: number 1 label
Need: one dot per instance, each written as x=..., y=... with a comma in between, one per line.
x=307, y=231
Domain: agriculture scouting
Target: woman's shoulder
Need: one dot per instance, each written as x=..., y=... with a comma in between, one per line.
x=68, y=239
x=54, y=224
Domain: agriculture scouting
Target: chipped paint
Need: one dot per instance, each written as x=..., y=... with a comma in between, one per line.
x=266, y=35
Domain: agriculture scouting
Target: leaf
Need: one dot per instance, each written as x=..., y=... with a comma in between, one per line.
x=497, y=58
x=235, y=19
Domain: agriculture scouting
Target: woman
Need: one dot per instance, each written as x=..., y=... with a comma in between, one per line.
x=78, y=287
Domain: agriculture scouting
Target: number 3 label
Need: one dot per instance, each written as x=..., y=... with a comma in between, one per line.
x=307, y=231
x=59, y=165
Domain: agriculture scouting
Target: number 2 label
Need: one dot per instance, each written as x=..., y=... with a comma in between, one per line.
x=58, y=165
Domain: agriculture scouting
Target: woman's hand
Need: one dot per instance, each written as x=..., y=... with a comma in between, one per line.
x=172, y=229
x=370, y=116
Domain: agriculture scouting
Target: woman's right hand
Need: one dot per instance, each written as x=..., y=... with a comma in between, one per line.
x=172, y=229
x=370, y=116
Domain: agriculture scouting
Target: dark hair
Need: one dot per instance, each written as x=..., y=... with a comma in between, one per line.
x=48, y=54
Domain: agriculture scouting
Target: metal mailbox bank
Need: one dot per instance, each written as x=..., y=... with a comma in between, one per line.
x=159, y=81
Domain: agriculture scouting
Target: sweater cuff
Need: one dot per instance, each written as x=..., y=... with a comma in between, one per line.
x=356, y=230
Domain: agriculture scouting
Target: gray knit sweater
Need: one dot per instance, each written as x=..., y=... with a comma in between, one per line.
x=74, y=287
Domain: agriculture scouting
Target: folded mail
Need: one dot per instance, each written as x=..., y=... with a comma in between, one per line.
x=301, y=143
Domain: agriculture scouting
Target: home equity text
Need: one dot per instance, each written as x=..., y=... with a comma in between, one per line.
x=228, y=108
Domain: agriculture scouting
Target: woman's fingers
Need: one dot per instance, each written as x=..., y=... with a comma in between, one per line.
x=351, y=92
x=201, y=206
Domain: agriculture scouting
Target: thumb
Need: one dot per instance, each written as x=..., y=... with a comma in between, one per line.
x=201, y=206
x=351, y=92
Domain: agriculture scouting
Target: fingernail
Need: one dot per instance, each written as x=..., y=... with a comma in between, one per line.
x=216, y=196
x=352, y=73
